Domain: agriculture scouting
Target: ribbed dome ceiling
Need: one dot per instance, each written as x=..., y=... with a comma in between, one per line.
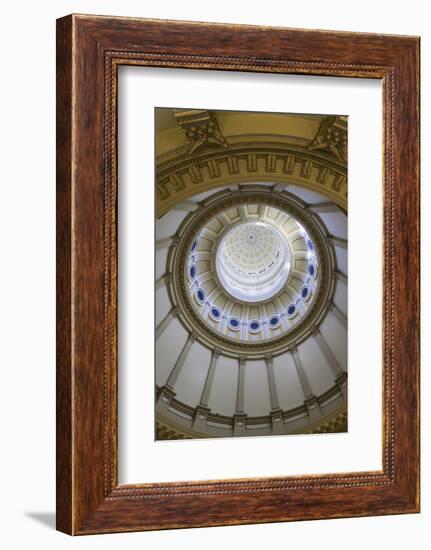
x=253, y=261
x=252, y=249
x=252, y=271
x=286, y=346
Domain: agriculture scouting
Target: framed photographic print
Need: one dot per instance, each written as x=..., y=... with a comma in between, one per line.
x=253, y=265
x=237, y=274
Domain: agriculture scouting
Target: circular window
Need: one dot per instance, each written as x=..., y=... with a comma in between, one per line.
x=254, y=326
x=234, y=323
x=291, y=310
x=195, y=244
x=312, y=270
x=274, y=321
x=305, y=293
x=215, y=313
x=200, y=296
x=192, y=272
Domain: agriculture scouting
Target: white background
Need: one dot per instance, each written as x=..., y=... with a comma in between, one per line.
x=141, y=458
x=27, y=121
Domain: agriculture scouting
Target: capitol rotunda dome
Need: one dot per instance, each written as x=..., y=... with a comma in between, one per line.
x=251, y=284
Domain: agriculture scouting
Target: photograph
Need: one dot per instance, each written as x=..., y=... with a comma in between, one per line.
x=251, y=268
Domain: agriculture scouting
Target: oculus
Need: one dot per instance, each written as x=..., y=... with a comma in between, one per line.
x=253, y=261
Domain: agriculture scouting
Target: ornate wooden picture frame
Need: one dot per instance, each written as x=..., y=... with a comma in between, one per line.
x=89, y=51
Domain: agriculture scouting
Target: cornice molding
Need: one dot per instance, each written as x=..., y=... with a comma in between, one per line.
x=187, y=175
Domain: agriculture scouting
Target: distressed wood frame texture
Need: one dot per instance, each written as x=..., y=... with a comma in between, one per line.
x=89, y=51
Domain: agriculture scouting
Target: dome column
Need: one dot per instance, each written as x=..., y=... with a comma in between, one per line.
x=163, y=280
x=339, y=314
x=313, y=408
x=303, y=380
x=163, y=325
x=166, y=242
x=340, y=276
x=336, y=241
x=180, y=362
x=341, y=382
x=328, y=353
x=209, y=379
x=239, y=417
x=276, y=412
x=202, y=410
x=240, y=389
x=271, y=382
x=166, y=394
x=310, y=400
